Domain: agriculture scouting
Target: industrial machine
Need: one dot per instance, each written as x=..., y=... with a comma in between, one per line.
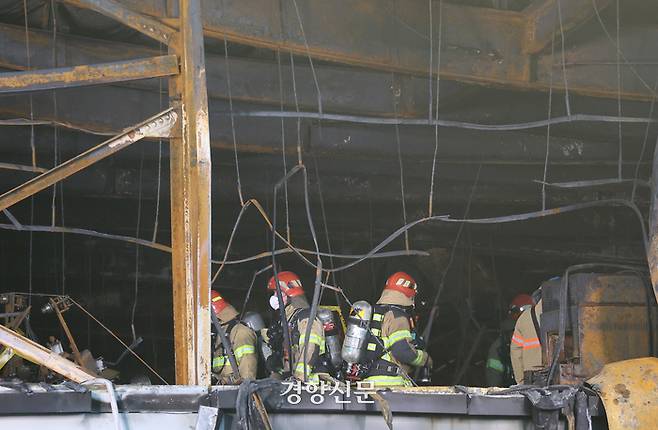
x=606, y=317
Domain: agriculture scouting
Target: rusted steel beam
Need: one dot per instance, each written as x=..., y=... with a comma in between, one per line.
x=591, y=66
x=105, y=73
x=128, y=17
x=543, y=20
x=652, y=250
x=158, y=125
x=37, y=354
x=344, y=89
x=190, y=202
x=479, y=45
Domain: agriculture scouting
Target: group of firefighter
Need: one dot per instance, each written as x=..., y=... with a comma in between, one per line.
x=380, y=344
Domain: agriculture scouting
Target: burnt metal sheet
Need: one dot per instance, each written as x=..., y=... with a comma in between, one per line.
x=96, y=74
x=609, y=319
x=629, y=390
x=155, y=398
x=41, y=401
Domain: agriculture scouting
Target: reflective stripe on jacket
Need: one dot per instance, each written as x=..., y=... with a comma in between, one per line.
x=525, y=348
x=243, y=341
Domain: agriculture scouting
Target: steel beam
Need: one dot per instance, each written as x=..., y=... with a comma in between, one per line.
x=479, y=45
x=543, y=20
x=105, y=73
x=37, y=354
x=190, y=202
x=157, y=126
x=137, y=21
x=344, y=89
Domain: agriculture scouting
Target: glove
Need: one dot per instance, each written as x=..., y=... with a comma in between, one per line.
x=429, y=363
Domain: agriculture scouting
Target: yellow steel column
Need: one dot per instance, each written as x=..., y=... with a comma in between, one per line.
x=191, y=202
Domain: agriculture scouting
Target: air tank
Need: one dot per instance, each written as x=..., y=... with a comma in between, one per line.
x=358, y=333
x=332, y=336
x=254, y=321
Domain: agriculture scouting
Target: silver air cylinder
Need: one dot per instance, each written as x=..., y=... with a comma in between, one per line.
x=254, y=321
x=357, y=335
x=332, y=336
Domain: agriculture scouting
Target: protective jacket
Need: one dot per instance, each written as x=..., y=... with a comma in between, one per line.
x=243, y=340
x=391, y=350
x=297, y=313
x=498, y=372
x=525, y=348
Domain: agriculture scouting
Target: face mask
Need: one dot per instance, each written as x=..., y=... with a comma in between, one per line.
x=274, y=302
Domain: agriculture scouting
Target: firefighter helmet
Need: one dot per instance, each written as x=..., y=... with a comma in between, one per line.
x=217, y=302
x=290, y=284
x=520, y=303
x=402, y=282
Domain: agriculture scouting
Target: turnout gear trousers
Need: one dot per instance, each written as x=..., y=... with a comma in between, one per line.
x=525, y=348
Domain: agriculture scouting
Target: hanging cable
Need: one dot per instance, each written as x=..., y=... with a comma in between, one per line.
x=644, y=144
x=113, y=399
x=283, y=143
x=429, y=77
x=137, y=248
x=28, y=60
x=436, y=118
x=548, y=126
x=230, y=104
x=158, y=189
x=435, y=302
x=299, y=118
x=396, y=95
x=361, y=119
x=118, y=339
x=567, y=104
x=310, y=59
x=619, y=51
x=318, y=266
x=324, y=218
x=621, y=144
x=110, y=332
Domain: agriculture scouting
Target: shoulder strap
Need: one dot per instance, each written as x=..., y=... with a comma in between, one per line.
x=230, y=326
x=535, y=322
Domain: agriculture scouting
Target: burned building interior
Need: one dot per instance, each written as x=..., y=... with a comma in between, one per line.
x=482, y=146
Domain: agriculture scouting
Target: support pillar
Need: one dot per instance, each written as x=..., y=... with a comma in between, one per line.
x=190, y=202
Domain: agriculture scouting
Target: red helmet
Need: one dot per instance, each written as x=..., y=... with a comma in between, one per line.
x=217, y=302
x=402, y=282
x=520, y=303
x=290, y=284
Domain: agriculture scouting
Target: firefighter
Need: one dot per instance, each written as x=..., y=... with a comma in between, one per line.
x=392, y=350
x=525, y=348
x=498, y=372
x=297, y=312
x=243, y=341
